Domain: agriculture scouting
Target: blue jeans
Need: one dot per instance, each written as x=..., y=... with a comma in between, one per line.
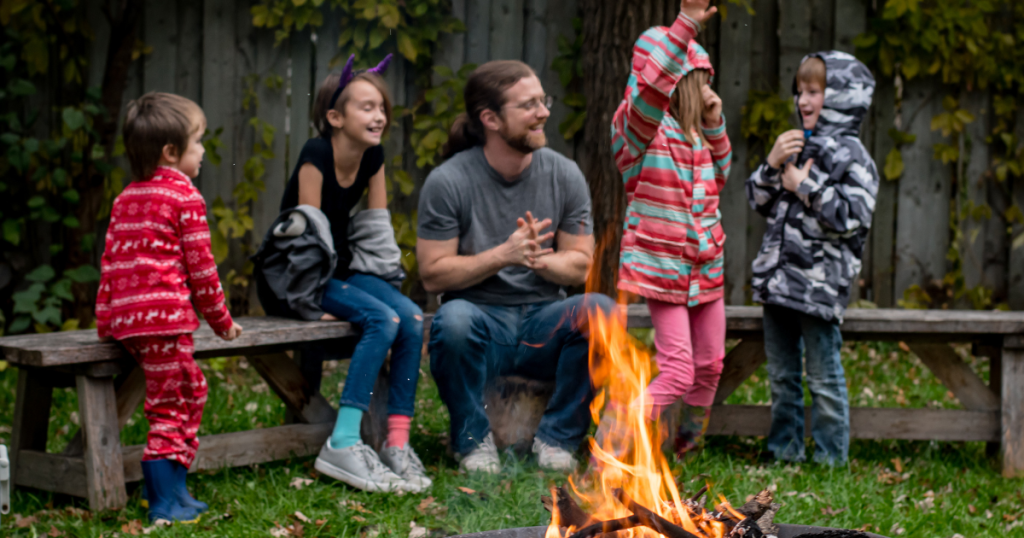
x=471, y=344
x=787, y=333
x=387, y=320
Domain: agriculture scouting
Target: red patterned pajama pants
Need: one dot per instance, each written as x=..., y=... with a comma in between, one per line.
x=175, y=395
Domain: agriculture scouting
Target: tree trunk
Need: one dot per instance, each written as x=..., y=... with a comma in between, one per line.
x=610, y=27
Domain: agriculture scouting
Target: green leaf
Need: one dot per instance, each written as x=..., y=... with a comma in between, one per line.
x=62, y=289
x=71, y=222
x=71, y=196
x=19, y=324
x=893, y=165
x=12, y=231
x=73, y=118
x=219, y=246
x=407, y=47
x=50, y=315
x=21, y=87
x=25, y=300
x=43, y=273
x=83, y=273
x=36, y=202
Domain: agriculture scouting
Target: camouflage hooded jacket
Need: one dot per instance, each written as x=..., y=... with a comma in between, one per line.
x=812, y=249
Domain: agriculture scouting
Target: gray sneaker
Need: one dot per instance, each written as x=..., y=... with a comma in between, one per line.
x=406, y=464
x=553, y=458
x=483, y=458
x=358, y=466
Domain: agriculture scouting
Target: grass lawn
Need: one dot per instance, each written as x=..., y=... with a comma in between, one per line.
x=925, y=489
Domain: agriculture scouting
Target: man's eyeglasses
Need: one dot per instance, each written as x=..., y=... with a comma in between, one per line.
x=532, y=104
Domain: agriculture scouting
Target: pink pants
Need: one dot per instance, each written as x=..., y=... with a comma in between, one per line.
x=691, y=346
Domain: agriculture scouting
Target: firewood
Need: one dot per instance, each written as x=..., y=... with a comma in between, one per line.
x=569, y=513
x=767, y=521
x=603, y=527
x=652, y=520
x=758, y=505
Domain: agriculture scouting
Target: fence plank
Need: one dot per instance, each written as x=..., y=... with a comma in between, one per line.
x=983, y=245
x=188, y=73
x=271, y=61
x=924, y=193
x=478, y=31
x=160, y=31
x=302, y=89
x=559, y=19
x=795, y=18
x=823, y=23
x=851, y=19
x=535, y=35
x=883, y=224
x=507, y=30
x=220, y=94
x=734, y=69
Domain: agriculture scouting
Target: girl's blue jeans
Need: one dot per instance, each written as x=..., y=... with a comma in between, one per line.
x=388, y=320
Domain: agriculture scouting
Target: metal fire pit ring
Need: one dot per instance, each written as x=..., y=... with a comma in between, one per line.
x=785, y=531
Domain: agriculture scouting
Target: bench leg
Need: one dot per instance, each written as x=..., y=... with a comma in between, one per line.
x=286, y=380
x=739, y=364
x=1012, y=450
x=104, y=468
x=374, y=428
x=995, y=384
x=131, y=392
x=31, y=415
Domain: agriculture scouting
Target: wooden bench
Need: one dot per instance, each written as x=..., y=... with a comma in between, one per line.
x=95, y=465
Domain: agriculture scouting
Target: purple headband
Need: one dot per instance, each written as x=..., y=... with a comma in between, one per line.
x=348, y=74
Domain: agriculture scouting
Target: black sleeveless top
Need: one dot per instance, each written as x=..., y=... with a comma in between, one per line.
x=335, y=201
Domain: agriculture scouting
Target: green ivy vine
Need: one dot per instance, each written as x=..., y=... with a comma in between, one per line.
x=968, y=45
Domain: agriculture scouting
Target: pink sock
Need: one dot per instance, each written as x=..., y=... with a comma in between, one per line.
x=398, y=430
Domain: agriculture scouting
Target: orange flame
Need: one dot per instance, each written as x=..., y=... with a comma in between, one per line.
x=629, y=454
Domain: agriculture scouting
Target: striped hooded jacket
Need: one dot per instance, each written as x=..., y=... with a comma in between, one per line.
x=672, y=238
x=811, y=251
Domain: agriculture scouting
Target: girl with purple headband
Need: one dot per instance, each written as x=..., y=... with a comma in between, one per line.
x=352, y=112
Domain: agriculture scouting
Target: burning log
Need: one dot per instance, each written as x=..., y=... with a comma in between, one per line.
x=757, y=519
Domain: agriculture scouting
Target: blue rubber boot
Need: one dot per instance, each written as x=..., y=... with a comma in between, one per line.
x=161, y=490
x=184, y=497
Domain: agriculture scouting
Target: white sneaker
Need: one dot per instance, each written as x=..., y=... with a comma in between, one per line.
x=406, y=464
x=553, y=458
x=358, y=466
x=483, y=458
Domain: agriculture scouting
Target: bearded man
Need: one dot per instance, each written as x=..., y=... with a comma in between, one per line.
x=486, y=244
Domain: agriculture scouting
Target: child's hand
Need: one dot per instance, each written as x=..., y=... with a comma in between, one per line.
x=234, y=332
x=792, y=177
x=786, y=145
x=697, y=10
x=712, y=107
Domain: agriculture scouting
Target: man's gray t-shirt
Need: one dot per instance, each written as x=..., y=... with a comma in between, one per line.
x=466, y=198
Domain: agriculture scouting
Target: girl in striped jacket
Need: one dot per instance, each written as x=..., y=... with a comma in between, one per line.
x=669, y=141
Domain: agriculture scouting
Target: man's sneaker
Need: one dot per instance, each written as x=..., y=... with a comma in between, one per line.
x=483, y=458
x=553, y=458
x=406, y=464
x=358, y=466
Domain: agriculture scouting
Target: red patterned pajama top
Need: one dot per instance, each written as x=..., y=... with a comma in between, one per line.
x=157, y=257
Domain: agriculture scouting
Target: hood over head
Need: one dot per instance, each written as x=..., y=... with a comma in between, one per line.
x=849, y=87
x=696, y=56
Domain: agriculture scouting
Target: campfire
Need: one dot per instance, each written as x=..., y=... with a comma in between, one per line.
x=629, y=487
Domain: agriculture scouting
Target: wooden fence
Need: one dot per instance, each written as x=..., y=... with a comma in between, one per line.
x=208, y=50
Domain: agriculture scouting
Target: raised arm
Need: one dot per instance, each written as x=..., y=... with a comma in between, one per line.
x=570, y=264
x=647, y=96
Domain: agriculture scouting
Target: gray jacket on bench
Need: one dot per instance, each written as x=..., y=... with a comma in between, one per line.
x=294, y=264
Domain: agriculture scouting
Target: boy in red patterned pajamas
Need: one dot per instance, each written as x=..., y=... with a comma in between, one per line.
x=157, y=257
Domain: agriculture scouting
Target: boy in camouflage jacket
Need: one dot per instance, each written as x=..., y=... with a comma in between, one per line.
x=817, y=189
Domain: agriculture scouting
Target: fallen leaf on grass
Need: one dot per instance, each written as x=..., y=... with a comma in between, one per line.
x=467, y=491
x=320, y=522
x=988, y=514
x=972, y=509
x=415, y=531
x=301, y=517
x=55, y=532
x=829, y=511
x=354, y=505
x=904, y=347
x=133, y=527
x=298, y=482
x=424, y=504
x=22, y=522
x=897, y=464
x=866, y=527
x=78, y=512
x=295, y=530
x=1009, y=517
x=360, y=519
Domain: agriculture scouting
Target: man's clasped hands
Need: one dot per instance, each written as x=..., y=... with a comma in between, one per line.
x=524, y=246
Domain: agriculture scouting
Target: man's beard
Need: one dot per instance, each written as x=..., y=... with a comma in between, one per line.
x=525, y=142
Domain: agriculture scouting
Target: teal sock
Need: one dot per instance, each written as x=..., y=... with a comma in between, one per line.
x=346, y=428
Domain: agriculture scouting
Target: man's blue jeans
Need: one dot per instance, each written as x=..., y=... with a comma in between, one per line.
x=787, y=333
x=471, y=344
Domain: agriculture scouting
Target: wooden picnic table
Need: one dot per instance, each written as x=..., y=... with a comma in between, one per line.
x=95, y=465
